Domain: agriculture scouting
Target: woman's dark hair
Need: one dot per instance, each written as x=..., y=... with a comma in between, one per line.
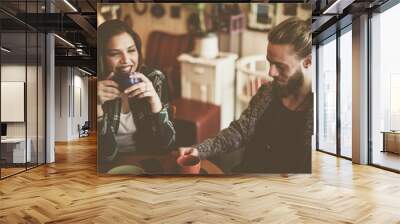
x=105, y=32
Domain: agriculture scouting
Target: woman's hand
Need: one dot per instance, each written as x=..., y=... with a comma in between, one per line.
x=145, y=89
x=107, y=90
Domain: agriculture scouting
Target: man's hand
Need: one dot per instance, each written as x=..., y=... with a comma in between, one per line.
x=188, y=151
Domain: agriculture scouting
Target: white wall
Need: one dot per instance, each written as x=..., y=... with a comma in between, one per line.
x=16, y=73
x=61, y=103
x=81, y=103
x=33, y=127
x=70, y=84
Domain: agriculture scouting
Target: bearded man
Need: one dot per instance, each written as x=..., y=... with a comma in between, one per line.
x=277, y=126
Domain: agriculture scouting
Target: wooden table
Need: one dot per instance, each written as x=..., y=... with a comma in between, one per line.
x=391, y=141
x=167, y=161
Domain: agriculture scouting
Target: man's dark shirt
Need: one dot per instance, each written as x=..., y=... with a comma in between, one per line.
x=277, y=145
x=281, y=135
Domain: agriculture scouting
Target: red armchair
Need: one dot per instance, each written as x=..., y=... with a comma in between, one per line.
x=194, y=121
x=162, y=52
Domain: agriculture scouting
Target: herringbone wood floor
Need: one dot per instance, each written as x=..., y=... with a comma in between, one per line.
x=70, y=191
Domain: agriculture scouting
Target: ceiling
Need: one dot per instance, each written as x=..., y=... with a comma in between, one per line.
x=79, y=27
x=72, y=20
x=330, y=15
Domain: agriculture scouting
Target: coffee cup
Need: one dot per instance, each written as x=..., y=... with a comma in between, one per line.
x=188, y=164
x=124, y=80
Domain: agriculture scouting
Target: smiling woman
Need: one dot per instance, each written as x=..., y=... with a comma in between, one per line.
x=132, y=98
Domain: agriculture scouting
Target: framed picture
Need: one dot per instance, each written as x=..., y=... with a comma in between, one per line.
x=157, y=10
x=109, y=12
x=175, y=11
x=261, y=16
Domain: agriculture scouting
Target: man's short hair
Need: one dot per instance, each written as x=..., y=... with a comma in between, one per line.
x=293, y=31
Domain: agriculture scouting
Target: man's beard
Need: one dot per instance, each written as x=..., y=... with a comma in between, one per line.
x=293, y=85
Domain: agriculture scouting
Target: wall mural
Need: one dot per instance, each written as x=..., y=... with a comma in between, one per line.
x=163, y=104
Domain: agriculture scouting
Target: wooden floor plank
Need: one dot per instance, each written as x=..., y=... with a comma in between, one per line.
x=70, y=191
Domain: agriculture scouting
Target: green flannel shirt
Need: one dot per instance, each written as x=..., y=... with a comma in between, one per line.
x=155, y=132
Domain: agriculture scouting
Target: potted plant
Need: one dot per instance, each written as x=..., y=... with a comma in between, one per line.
x=206, y=41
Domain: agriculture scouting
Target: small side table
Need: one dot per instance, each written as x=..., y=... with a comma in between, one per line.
x=391, y=141
x=211, y=81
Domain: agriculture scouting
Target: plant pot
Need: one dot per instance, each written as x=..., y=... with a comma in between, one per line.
x=206, y=45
